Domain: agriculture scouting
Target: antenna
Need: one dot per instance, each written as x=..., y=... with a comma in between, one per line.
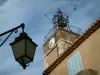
x=72, y=11
x=48, y=18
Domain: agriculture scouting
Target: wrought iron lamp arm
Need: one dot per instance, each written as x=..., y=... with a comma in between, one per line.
x=11, y=31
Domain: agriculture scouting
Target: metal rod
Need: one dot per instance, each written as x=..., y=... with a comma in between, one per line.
x=6, y=39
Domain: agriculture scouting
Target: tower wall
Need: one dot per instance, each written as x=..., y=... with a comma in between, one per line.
x=64, y=39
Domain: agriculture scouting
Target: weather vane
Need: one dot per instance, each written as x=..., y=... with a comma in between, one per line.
x=61, y=19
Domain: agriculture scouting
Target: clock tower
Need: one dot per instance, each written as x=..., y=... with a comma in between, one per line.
x=60, y=38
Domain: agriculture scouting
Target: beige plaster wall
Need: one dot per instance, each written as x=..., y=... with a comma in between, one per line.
x=90, y=53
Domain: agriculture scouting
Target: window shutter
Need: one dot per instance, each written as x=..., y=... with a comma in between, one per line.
x=75, y=64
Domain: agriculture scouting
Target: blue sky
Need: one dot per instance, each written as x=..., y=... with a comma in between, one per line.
x=32, y=13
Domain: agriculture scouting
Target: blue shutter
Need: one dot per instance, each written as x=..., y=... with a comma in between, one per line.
x=75, y=64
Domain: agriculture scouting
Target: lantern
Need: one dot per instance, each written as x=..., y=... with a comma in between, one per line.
x=23, y=49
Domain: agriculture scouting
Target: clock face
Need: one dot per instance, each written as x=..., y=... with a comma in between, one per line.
x=51, y=42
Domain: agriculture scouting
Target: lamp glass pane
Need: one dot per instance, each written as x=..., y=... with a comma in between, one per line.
x=26, y=60
x=30, y=49
x=19, y=48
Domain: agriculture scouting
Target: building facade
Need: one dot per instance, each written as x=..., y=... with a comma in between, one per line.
x=67, y=52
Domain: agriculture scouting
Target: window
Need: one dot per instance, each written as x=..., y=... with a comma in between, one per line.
x=75, y=64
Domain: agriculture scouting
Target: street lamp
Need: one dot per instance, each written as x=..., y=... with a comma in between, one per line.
x=23, y=47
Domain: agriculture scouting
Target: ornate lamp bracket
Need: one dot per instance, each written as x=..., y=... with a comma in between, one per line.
x=11, y=31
